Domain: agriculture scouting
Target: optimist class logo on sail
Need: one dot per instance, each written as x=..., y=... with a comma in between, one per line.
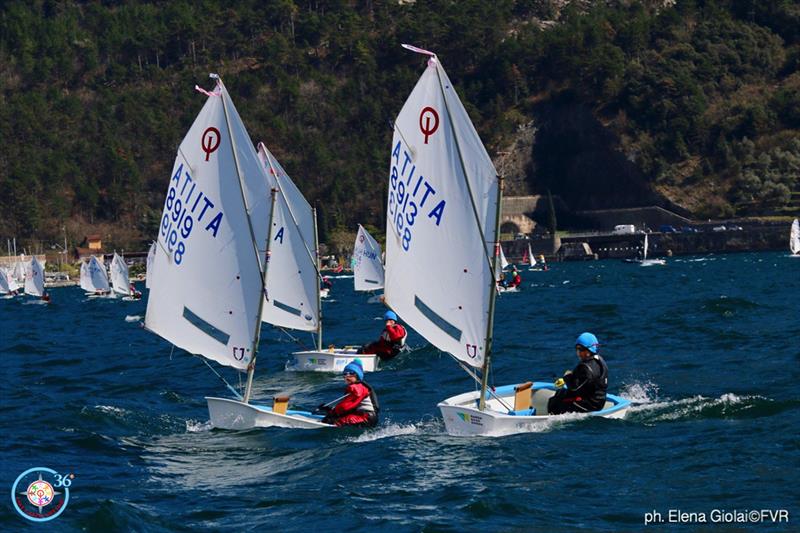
x=410, y=193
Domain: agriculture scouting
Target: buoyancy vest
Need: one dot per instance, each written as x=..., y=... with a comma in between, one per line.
x=594, y=388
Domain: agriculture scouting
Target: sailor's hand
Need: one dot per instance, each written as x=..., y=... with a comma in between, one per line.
x=567, y=373
x=323, y=407
x=559, y=383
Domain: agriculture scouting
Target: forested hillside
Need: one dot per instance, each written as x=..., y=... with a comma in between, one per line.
x=695, y=105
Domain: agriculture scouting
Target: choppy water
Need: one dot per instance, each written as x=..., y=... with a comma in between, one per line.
x=707, y=347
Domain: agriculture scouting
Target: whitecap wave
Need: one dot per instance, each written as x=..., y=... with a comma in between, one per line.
x=133, y=318
x=392, y=430
x=195, y=426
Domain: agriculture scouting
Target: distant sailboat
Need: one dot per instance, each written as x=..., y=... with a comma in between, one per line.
x=120, y=280
x=8, y=285
x=435, y=140
x=644, y=261
x=293, y=280
x=794, y=238
x=208, y=278
x=367, y=265
x=34, y=279
x=151, y=255
x=94, y=279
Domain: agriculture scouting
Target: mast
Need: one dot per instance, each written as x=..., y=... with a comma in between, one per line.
x=492, y=297
x=319, y=296
x=496, y=247
x=251, y=368
x=261, y=267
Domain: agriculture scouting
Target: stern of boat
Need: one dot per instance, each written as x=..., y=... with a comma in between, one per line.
x=331, y=360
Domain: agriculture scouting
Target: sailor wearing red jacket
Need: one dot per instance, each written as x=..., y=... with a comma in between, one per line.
x=393, y=338
x=360, y=404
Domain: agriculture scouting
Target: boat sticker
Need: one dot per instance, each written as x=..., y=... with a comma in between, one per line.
x=475, y=420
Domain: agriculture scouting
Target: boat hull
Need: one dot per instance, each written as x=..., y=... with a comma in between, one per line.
x=332, y=360
x=225, y=413
x=462, y=417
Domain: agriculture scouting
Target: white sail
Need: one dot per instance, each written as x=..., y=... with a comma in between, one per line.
x=34, y=278
x=206, y=282
x=443, y=194
x=794, y=237
x=644, y=248
x=292, y=278
x=151, y=255
x=531, y=258
x=19, y=270
x=5, y=286
x=93, y=276
x=503, y=261
x=367, y=266
x=120, y=280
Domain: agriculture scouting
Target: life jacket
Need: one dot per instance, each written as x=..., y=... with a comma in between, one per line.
x=396, y=343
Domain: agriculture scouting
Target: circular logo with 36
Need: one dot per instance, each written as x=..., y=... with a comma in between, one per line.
x=40, y=494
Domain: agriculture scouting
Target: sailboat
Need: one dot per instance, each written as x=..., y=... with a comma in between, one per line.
x=794, y=238
x=444, y=201
x=292, y=297
x=209, y=273
x=367, y=264
x=94, y=279
x=120, y=280
x=151, y=255
x=34, y=279
x=8, y=285
x=503, y=264
x=644, y=261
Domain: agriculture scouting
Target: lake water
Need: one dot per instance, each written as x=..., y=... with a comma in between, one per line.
x=708, y=348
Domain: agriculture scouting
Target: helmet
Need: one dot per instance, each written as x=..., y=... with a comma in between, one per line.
x=390, y=315
x=588, y=341
x=354, y=368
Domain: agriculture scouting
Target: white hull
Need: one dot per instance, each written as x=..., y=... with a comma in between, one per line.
x=233, y=414
x=651, y=262
x=333, y=360
x=462, y=417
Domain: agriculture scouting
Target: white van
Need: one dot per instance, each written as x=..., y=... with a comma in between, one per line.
x=624, y=228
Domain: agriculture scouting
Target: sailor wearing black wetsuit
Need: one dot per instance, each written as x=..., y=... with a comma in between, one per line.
x=585, y=385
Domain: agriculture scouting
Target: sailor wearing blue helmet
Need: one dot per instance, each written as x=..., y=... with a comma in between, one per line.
x=582, y=389
x=391, y=341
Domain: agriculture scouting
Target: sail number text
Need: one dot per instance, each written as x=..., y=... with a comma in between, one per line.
x=184, y=205
x=410, y=195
